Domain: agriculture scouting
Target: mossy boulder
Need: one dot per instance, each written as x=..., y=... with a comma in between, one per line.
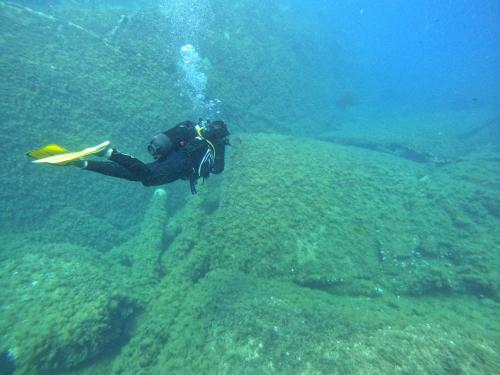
x=62, y=306
x=339, y=219
x=66, y=84
x=77, y=227
x=229, y=322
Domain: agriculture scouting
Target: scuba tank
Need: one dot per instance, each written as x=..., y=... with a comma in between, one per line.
x=171, y=140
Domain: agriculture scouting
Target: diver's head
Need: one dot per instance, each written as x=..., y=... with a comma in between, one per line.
x=160, y=146
x=216, y=131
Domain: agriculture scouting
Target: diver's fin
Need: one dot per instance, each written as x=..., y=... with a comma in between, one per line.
x=46, y=151
x=71, y=157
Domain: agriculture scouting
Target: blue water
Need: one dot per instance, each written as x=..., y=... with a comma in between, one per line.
x=423, y=54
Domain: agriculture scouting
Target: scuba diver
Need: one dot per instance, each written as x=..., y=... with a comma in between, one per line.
x=187, y=151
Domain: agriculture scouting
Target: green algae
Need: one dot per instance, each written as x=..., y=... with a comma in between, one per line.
x=367, y=218
x=233, y=323
x=65, y=306
x=80, y=228
x=59, y=310
x=303, y=257
x=237, y=299
x=69, y=86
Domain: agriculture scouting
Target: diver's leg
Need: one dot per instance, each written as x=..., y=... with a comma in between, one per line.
x=130, y=163
x=111, y=169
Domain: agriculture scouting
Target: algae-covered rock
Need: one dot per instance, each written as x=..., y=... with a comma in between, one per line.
x=339, y=219
x=281, y=214
x=62, y=306
x=409, y=350
x=66, y=84
x=281, y=333
x=208, y=328
x=293, y=330
x=306, y=257
x=78, y=228
x=141, y=253
x=231, y=323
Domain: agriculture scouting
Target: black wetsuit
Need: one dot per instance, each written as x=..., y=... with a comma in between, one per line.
x=197, y=159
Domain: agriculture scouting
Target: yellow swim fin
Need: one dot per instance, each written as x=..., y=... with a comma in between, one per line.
x=71, y=157
x=46, y=151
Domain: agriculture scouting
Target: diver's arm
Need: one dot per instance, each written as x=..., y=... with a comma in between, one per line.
x=218, y=166
x=174, y=167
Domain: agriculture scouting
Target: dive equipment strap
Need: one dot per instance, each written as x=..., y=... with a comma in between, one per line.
x=192, y=185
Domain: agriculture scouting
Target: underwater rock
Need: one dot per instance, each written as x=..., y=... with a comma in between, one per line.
x=78, y=228
x=62, y=306
x=232, y=323
x=415, y=349
x=142, y=252
x=78, y=90
x=486, y=133
x=7, y=362
x=213, y=320
x=397, y=149
x=122, y=23
x=302, y=241
x=338, y=219
x=26, y=12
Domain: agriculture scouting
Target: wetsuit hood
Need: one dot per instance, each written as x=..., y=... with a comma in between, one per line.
x=216, y=131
